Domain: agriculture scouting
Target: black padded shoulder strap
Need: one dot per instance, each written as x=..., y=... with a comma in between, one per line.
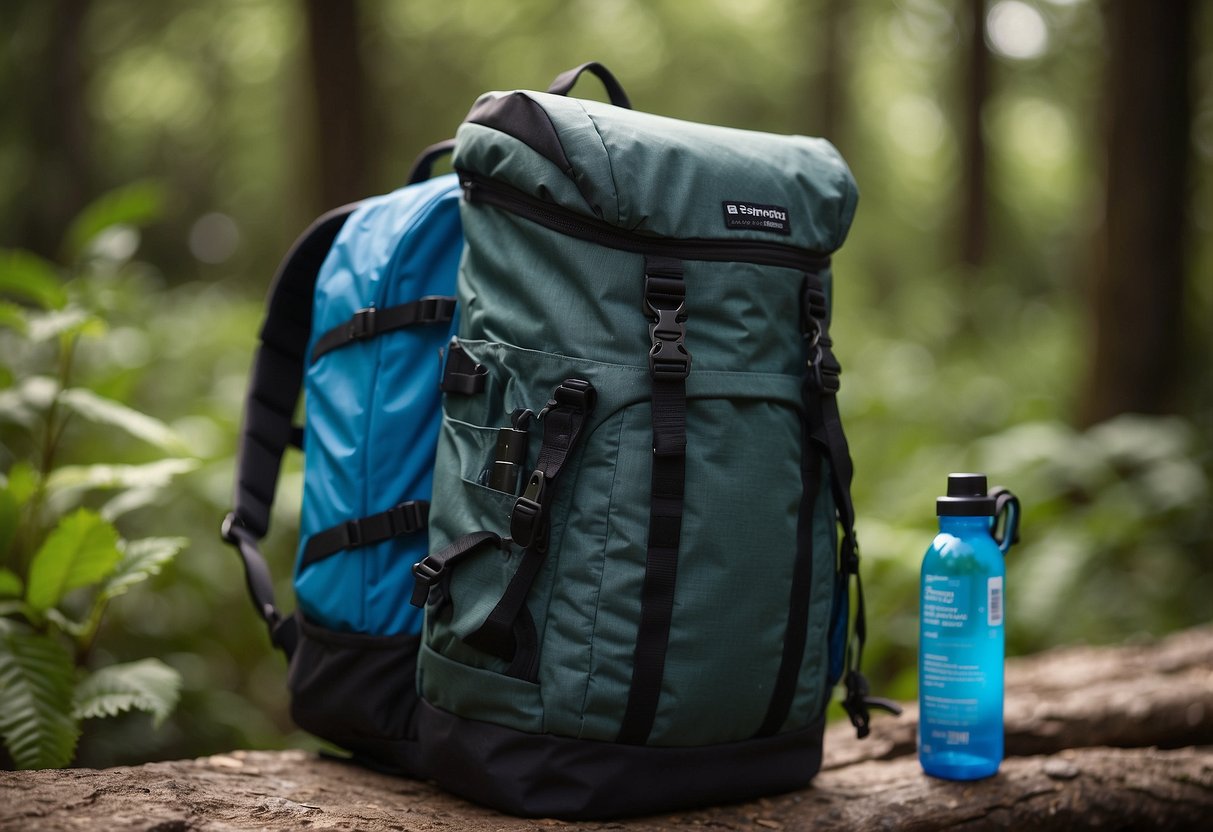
x=269, y=406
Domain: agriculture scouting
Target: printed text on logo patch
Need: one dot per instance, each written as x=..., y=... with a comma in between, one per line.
x=751, y=216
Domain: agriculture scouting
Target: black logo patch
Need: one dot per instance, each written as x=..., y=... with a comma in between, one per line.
x=751, y=216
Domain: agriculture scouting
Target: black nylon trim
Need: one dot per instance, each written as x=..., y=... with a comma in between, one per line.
x=541, y=775
x=796, y=635
x=520, y=116
x=668, y=483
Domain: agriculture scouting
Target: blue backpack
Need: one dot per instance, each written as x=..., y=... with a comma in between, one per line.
x=357, y=315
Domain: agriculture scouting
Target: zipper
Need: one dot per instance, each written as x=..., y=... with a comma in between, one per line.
x=480, y=190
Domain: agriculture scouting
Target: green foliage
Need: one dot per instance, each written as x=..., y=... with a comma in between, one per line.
x=148, y=685
x=36, y=683
x=81, y=550
x=133, y=205
x=67, y=560
x=28, y=277
x=946, y=367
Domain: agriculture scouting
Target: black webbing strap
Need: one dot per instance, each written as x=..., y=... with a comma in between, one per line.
x=796, y=635
x=563, y=421
x=669, y=366
x=405, y=518
x=369, y=322
x=269, y=406
x=825, y=431
x=430, y=574
x=283, y=631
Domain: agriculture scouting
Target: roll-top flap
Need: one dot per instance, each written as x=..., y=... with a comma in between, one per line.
x=658, y=175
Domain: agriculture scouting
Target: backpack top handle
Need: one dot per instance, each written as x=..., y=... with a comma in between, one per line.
x=423, y=166
x=566, y=80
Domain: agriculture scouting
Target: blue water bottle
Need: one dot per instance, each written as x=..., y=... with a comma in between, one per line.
x=961, y=633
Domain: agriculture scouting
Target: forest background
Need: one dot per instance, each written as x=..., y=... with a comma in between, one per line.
x=1025, y=291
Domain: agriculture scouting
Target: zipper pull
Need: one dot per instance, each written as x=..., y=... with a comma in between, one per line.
x=469, y=188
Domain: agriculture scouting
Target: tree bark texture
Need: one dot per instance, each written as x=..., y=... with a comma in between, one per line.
x=1138, y=282
x=1065, y=709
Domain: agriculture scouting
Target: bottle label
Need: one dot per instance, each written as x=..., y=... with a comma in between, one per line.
x=960, y=650
x=945, y=604
x=994, y=601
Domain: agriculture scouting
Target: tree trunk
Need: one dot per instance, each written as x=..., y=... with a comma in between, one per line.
x=974, y=202
x=1137, y=285
x=50, y=87
x=832, y=74
x=339, y=81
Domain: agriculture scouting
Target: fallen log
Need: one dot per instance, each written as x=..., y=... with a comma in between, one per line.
x=1109, y=738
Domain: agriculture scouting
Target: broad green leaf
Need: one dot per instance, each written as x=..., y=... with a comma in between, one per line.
x=148, y=685
x=136, y=204
x=81, y=550
x=13, y=317
x=63, y=322
x=10, y=584
x=27, y=276
x=9, y=517
x=107, y=411
x=36, y=684
x=157, y=474
x=141, y=559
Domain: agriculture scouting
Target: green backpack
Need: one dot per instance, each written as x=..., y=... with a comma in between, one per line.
x=636, y=594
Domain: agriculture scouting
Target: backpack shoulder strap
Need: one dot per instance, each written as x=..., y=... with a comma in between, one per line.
x=269, y=408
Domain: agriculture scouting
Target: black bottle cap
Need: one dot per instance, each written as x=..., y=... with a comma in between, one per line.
x=967, y=497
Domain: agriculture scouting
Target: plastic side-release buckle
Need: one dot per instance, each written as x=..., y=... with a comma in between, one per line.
x=823, y=368
x=669, y=359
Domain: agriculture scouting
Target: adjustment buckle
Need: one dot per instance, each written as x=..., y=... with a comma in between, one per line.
x=527, y=514
x=407, y=518
x=362, y=325
x=427, y=572
x=823, y=368
x=850, y=554
x=432, y=309
x=353, y=534
x=576, y=393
